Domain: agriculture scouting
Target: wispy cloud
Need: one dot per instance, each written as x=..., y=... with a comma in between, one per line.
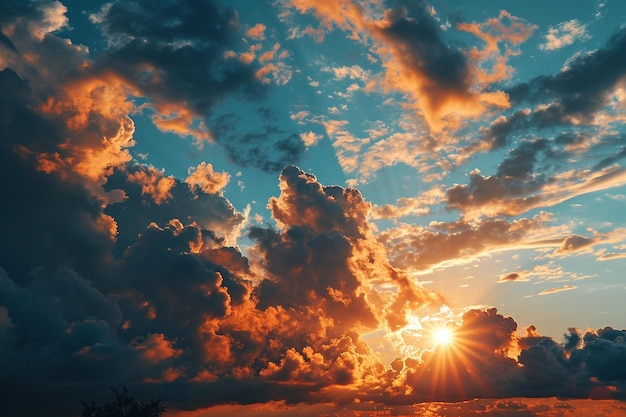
x=557, y=290
x=566, y=33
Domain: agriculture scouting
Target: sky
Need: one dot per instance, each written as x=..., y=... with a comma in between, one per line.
x=312, y=207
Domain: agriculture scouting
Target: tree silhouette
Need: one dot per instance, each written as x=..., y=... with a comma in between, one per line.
x=123, y=406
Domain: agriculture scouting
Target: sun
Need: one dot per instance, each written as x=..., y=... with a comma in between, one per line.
x=443, y=336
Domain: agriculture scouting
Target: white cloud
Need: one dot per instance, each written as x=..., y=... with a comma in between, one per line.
x=566, y=33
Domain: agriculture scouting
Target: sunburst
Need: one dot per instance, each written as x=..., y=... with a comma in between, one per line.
x=443, y=336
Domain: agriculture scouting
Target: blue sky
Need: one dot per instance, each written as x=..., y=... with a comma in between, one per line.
x=366, y=171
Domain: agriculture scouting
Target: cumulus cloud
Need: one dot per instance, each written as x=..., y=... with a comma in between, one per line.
x=486, y=354
x=565, y=33
x=204, y=177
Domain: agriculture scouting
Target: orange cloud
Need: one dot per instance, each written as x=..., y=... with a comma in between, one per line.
x=556, y=290
x=180, y=120
x=437, y=80
x=204, y=177
x=154, y=184
x=500, y=34
x=500, y=195
x=441, y=244
x=99, y=132
x=257, y=32
x=156, y=348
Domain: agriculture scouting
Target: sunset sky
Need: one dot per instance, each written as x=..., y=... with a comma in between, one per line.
x=308, y=207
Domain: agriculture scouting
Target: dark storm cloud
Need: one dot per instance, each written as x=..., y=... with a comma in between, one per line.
x=309, y=262
x=326, y=253
x=171, y=306
x=581, y=90
x=72, y=314
x=174, y=292
x=175, y=53
x=603, y=356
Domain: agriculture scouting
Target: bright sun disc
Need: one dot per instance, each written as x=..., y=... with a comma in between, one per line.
x=443, y=336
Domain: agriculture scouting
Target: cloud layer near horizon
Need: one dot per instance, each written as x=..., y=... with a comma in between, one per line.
x=113, y=273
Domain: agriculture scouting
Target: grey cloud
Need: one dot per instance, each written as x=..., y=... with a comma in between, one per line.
x=269, y=149
x=574, y=243
x=580, y=90
x=521, y=161
x=412, y=27
x=422, y=248
x=57, y=224
x=313, y=271
x=211, y=211
x=497, y=134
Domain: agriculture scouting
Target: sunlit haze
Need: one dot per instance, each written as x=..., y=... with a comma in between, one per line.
x=443, y=336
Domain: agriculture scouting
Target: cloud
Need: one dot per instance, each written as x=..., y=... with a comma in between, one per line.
x=499, y=130
x=269, y=149
x=354, y=72
x=556, y=290
x=257, y=32
x=186, y=72
x=204, y=177
x=318, y=220
x=82, y=235
x=487, y=358
x=566, y=33
x=438, y=75
x=505, y=30
x=512, y=276
x=509, y=195
x=436, y=79
x=112, y=272
x=575, y=95
x=420, y=248
x=210, y=211
x=543, y=272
